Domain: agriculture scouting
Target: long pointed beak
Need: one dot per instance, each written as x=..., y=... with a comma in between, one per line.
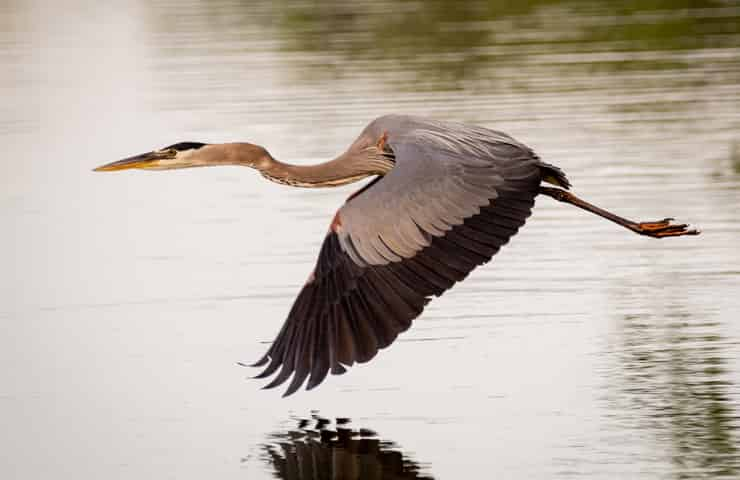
x=144, y=161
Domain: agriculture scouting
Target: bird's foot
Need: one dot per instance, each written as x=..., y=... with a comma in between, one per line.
x=664, y=228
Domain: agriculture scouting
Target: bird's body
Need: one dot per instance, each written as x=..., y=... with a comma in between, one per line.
x=446, y=198
x=454, y=195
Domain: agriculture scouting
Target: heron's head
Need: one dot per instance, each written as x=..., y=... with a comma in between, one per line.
x=193, y=154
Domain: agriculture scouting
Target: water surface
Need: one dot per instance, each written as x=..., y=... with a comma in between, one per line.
x=580, y=350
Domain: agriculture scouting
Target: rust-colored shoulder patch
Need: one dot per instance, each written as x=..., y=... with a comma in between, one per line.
x=336, y=223
x=380, y=144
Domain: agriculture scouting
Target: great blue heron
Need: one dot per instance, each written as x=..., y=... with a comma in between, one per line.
x=446, y=197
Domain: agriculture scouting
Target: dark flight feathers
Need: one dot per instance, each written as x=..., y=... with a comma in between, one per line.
x=358, y=299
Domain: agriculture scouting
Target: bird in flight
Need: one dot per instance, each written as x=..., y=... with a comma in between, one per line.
x=445, y=198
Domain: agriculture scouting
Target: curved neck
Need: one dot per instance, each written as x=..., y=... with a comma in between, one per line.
x=342, y=170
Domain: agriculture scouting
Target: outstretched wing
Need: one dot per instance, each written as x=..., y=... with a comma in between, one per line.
x=454, y=197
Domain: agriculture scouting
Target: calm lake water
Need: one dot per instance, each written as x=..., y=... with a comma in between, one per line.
x=580, y=350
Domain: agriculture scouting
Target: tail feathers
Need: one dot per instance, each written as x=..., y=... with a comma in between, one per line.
x=552, y=174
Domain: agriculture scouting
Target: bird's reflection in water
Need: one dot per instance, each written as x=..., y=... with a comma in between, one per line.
x=319, y=449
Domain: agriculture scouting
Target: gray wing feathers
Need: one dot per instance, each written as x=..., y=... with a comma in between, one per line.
x=454, y=197
x=443, y=175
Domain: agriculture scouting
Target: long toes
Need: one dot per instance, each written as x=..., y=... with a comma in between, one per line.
x=665, y=229
x=676, y=233
x=674, y=228
x=656, y=225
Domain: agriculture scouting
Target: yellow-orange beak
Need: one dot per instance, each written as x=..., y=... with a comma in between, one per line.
x=145, y=161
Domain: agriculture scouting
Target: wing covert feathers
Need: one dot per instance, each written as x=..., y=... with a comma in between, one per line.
x=444, y=209
x=348, y=313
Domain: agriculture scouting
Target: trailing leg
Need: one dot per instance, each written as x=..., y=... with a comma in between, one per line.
x=655, y=229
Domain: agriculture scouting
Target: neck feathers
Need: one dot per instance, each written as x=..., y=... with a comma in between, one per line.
x=342, y=170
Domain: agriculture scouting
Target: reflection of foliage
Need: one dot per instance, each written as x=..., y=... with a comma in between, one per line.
x=676, y=373
x=735, y=157
x=665, y=24
x=396, y=29
x=452, y=40
x=444, y=45
x=322, y=452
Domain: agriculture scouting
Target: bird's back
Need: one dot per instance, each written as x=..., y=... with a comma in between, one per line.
x=464, y=139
